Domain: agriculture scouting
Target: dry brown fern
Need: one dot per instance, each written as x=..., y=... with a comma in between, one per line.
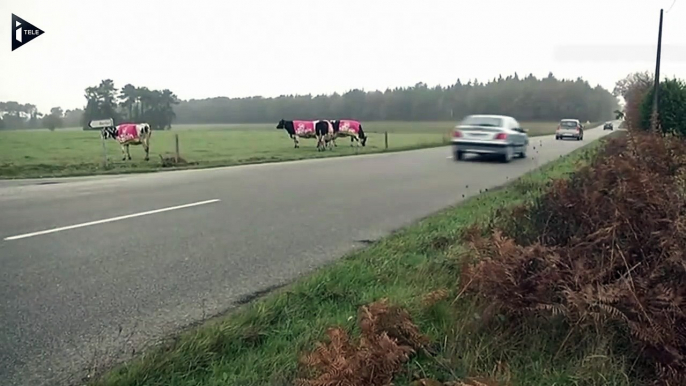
x=387, y=341
x=610, y=250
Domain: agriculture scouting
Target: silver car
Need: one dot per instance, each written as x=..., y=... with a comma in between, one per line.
x=570, y=128
x=490, y=134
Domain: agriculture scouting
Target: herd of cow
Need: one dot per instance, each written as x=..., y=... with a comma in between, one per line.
x=324, y=131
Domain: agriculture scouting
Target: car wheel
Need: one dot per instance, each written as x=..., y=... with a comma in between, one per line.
x=522, y=154
x=459, y=155
x=509, y=154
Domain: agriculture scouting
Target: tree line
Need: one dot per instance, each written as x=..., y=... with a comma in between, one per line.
x=15, y=115
x=527, y=99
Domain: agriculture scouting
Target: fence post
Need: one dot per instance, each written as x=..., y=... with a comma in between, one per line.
x=385, y=137
x=176, y=139
x=104, y=152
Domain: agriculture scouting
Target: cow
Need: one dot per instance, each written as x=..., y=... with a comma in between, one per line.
x=130, y=134
x=349, y=128
x=325, y=134
x=298, y=129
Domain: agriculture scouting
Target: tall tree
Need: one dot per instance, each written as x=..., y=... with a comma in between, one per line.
x=633, y=88
x=101, y=103
x=54, y=119
x=129, y=100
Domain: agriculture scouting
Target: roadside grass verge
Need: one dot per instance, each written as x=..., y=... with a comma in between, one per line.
x=41, y=153
x=260, y=343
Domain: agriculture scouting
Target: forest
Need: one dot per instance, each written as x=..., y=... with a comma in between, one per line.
x=527, y=99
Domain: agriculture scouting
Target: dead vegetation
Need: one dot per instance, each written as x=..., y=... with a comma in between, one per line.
x=172, y=160
x=602, y=251
x=388, y=339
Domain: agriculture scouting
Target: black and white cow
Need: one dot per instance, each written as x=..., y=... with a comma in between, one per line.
x=298, y=129
x=130, y=134
x=325, y=134
x=349, y=128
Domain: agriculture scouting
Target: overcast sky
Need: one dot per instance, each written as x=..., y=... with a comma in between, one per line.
x=207, y=48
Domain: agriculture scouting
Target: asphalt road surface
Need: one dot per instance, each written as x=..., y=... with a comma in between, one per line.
x=93, y=268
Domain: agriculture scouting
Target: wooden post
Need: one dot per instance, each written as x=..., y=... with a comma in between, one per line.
x=104, y=152
x=385, y=137
x=176, y=139
x=656, y=87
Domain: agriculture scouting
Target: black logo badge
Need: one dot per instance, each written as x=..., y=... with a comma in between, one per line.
x=23, y=32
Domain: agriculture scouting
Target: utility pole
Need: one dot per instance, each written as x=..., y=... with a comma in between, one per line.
x=657, y=76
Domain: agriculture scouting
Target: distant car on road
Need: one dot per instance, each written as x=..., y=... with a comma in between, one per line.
x=490, y=134
x=608, y=126
x=570, y=128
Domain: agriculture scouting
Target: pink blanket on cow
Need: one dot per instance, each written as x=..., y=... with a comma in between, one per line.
x=127, y=132
x=303, y=127
x=349, y=126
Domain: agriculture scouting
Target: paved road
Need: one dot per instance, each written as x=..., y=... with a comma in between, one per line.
x=66, y=294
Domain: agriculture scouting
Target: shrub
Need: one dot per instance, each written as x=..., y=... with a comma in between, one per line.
x=608, y=256
x=671, y=107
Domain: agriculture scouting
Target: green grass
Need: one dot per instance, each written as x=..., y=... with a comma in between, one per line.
x=259, y=343
x=41, y=153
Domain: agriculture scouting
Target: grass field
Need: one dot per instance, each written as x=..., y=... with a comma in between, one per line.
x=71, y=152
x=259, y=344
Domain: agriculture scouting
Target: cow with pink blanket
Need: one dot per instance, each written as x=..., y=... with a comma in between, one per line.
x=130, y=134
x=298, y=129
x=349, y=128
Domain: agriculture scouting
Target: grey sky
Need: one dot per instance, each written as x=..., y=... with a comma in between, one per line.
x=207, y=48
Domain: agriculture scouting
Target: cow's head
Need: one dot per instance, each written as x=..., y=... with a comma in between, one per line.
x=109, y=132
x=281, y=124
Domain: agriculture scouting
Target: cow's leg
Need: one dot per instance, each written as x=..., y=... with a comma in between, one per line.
x=320, y=143
x=146, y=146
x=123, y=152
x=297, y=141
x=128, y=152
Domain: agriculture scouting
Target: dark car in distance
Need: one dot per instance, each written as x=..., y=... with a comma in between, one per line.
x=608, y=126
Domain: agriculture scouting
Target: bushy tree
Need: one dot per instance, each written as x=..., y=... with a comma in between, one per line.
x=671, y=118
x=54, y=119
x=633, y=88
x=130, y=104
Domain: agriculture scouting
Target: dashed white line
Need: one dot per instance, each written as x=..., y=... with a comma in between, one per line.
x=85, y=224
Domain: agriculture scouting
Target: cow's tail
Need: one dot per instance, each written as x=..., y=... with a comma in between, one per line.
x=363, y=136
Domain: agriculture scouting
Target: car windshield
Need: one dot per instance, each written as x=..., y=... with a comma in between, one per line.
x=568, y=123
x=483, y=121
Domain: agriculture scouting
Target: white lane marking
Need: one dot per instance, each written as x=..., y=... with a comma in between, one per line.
x=85, y=224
